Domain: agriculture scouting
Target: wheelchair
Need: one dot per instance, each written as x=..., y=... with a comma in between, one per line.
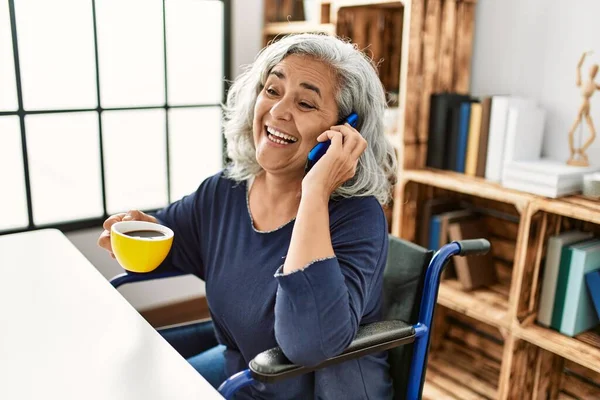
x=410, y=288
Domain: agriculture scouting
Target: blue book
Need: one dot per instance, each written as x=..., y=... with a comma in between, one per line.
x=434, y=232
x=562, y=281
x=592, y=279
x=579, y=314
x=464, y=119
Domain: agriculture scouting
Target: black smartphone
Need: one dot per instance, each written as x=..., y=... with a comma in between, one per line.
x=320, y=149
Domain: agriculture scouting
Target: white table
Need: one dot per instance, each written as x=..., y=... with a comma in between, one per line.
x=65, y=333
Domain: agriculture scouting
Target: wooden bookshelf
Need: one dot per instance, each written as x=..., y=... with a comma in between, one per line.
x=536, y=362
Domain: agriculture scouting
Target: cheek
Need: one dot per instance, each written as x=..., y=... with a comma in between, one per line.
x=258, y=117
x=311, y=129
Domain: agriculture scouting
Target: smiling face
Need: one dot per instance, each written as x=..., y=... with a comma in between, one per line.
x=295, y=106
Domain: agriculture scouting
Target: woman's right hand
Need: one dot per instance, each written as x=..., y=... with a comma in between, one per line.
x=132, y=215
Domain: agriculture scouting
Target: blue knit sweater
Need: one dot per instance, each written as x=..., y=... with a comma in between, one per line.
x=312, y=314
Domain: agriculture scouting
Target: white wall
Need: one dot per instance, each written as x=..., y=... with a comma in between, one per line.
x=246, y=28
x=531, y=48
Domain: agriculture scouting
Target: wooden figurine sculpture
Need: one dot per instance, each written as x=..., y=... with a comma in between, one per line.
x=578, y=156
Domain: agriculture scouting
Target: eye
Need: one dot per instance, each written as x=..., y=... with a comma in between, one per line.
x=306, y=105
x=271, y=92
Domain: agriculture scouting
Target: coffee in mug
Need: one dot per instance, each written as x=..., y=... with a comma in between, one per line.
x=145, y=234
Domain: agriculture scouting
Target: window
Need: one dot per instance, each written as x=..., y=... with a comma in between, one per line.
x=107, y=105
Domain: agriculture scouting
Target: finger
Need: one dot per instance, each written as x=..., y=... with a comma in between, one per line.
x=337, y=140
x=110, y=221
x=323, y=137
x=134, y=215
x=360, y=148
x=351, y=135
x=104, y=241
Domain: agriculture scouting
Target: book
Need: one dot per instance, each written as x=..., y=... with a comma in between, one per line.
x=548, y=171
x=472, y=271
x=433, y=206
x=592, y=280
x=579, y=314
x=486, y=109
x=562, y=280
x=524, y=133
x=552, y=262
x=473, y=140
x=440, y=223
x=452, y=138
x=540, y=190
x=439, y=123
x=497, y=133
x=561, y=186
x=464, y=121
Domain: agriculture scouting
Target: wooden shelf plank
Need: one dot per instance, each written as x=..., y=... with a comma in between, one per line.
x=485, y=305
x=457, y=375
x=471, y=185
x=577, y=207
x=281, y=28
x=373, y=3
x=572, y=349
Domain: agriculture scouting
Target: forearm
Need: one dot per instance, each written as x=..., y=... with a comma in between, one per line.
x=315, y=317
x=311, y=238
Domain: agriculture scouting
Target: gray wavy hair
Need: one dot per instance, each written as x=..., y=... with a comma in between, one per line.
x=359, y=89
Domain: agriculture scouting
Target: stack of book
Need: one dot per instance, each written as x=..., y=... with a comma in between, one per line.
x=478, y=136
x=566, y=304
x=447, y=223
x=545, y=177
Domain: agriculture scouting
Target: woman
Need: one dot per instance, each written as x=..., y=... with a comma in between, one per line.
x=291, y=259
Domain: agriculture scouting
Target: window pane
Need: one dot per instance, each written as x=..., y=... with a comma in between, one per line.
x=195, y=147
x=13, y=201
x=130, y=46
x=134, y=159
x=56, y=52
x=8, y=88
x=64, y=166
x=195, y=51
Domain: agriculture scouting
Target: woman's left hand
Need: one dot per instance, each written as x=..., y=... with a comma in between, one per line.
x=339, y=162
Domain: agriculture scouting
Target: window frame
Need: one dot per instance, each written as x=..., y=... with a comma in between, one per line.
x=68, y=226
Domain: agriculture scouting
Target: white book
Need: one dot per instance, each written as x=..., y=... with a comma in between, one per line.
x=524, y=133
x=547, y=171
x=579, y=313
x=497, y=133
x=561, y=186
x=541, y=190
x=553, y=252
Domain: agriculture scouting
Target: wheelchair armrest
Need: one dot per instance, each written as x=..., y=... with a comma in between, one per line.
x=130, y=277
x=272, y=365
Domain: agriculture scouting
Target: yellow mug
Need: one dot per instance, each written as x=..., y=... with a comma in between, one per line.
x=140, y=246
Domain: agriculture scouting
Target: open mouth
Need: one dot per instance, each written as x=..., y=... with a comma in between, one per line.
x=278, y=137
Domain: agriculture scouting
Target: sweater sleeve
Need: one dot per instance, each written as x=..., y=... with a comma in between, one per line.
x=184, y=217
x=318, y=309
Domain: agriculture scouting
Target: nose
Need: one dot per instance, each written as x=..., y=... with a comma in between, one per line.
x=282, y=109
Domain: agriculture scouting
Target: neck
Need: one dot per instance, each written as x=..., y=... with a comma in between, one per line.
x=278, y=190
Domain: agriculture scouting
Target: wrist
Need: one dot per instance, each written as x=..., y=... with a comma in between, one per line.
x=315, y=194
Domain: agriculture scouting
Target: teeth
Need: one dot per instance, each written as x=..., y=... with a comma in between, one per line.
x=272, y=138
x=282, y=135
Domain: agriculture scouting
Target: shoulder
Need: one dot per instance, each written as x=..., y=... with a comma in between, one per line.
x=356, y=209
x=218, y=184
x=362, y=216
